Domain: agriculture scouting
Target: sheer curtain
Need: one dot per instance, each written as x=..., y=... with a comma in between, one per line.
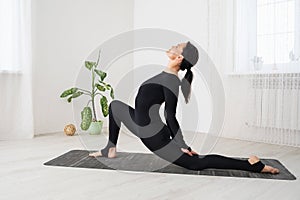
x=16, y=120
x=273, y=71
x=245, y=34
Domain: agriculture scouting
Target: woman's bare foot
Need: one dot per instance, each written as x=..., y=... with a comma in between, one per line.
x=267, y=169
x=111, y=153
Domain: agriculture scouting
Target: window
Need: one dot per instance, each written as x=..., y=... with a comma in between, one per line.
x=9, y=35
x=267, y=35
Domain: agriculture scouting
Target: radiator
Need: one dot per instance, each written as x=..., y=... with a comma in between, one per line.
x=274, y=101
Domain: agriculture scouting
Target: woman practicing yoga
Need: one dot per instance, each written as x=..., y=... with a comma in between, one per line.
x=166, y=140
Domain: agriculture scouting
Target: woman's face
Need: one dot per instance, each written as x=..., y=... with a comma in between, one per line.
x=176, y=51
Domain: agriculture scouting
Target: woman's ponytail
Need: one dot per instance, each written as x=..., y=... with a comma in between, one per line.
x=186, y=84
x=191, y=55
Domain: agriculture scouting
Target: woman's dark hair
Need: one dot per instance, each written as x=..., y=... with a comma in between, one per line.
x=191, y=55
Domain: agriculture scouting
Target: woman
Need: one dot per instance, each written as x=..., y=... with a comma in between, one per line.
x=166, y=140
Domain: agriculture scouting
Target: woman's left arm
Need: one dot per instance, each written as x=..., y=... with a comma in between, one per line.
x=171, y=99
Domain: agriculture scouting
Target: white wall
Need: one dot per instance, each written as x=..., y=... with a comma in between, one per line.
x=65, y=32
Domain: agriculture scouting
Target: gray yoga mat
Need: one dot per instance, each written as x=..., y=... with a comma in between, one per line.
x=152, y=163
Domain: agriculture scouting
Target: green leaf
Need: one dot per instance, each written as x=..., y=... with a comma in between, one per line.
x=77, y=94
x=74, y=95
x=89, y=64
x=70, y=99
x=86, y=118
x=68, y=92
x=112, y=93
x=100, y=87
x=103, y=102
x=100, y=73
x=106, y=85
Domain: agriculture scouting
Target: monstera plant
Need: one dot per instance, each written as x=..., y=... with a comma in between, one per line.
x=89, y=119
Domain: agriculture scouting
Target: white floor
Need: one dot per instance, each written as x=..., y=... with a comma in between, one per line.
x=23, y=175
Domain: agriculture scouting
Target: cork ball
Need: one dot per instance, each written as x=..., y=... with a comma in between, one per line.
x=70, y=129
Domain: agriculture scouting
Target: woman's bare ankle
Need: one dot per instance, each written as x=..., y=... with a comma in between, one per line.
x=253, y=159
x=112, y=152
x=267, y=169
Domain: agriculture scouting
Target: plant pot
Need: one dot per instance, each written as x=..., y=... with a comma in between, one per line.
x=95, y=128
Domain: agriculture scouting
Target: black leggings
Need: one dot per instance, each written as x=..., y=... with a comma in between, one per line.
x=164, y=147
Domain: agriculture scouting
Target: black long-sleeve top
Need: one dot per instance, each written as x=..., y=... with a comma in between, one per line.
x=163, y=87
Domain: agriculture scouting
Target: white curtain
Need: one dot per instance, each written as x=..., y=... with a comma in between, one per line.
x=270, y=57
x=16, y=119
x=245, y=34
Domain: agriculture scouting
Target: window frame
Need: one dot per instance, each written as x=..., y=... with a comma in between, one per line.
x=242, y=60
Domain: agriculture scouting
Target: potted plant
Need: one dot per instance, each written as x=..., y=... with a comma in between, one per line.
x=89, y=119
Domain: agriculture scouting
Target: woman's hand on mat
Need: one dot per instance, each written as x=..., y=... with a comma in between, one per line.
x=189, y=152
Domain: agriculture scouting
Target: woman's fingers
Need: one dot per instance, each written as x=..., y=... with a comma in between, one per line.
x=187, y=151
x=190, y=154
x=193, y=152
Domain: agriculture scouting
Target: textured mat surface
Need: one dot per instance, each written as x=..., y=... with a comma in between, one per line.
x=152, y=163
